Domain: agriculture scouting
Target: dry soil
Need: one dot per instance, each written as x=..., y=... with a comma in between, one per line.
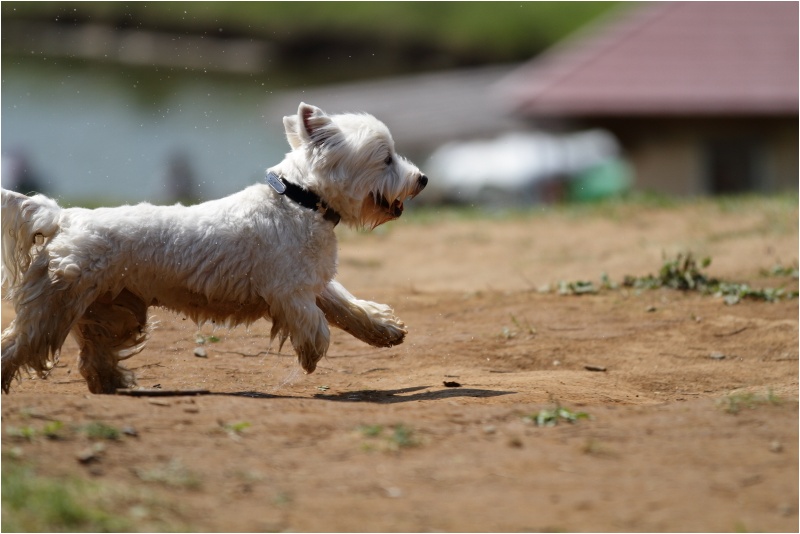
x=692, y=404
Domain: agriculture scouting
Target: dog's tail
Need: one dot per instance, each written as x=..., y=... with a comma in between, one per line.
x=27, y=224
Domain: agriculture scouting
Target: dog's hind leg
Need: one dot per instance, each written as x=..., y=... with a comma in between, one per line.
x=16, y=353
x=370, y=322
x=46, y=310
x=109, y=331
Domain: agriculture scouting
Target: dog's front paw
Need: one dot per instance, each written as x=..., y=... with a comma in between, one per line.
x=391, y=334
x=387, y=329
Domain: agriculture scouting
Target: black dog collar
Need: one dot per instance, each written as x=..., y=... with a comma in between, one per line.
x=302, y=196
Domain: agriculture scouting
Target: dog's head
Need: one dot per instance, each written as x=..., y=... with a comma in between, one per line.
x=350, y=161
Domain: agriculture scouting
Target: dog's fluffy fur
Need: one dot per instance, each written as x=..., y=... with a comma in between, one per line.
x=254, y=254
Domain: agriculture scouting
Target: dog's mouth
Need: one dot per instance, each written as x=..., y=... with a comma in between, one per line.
x=393, y=209
x=378, y=209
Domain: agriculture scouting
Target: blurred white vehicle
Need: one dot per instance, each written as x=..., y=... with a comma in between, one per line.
x=528, y=167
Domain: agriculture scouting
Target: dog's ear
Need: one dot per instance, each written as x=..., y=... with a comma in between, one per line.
x=290, y=125
x=311, y=126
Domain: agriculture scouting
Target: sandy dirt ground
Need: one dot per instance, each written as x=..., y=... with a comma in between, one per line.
x=692, y=404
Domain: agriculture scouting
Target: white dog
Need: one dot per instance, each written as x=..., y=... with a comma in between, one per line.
x=268, y=251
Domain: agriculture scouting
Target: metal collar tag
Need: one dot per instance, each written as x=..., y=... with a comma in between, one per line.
x=307, y=199
x=275, y=182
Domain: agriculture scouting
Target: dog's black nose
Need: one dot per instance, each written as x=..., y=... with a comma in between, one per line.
x=423, y=181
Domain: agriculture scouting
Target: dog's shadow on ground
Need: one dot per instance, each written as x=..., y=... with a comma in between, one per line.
x=393, y=396
x=389, y=396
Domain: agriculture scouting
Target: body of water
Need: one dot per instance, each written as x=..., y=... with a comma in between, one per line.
x=113, y=135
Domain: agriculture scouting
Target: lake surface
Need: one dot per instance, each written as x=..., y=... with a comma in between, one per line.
x=105, y=133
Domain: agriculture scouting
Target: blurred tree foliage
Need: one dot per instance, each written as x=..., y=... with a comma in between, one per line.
x=396, y=36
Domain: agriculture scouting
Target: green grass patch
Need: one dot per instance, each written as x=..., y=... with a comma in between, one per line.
x=21, y=433
x=685, y=273
x=200, y=339
x=403, y=437
x=521, y=326
x=779, y=211
x=236, y=428
x=737, y=402
x=32, y=503
x=371, y=431
x=781, y=270
x=555, y=415
x=51, y=430
x=392, y=438
x=35, y=502
x=100, y=430
x=682, y=273
x=172, y=474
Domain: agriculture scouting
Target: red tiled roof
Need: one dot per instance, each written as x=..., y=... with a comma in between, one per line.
x=709, y=58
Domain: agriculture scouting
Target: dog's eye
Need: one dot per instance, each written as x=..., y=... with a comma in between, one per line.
x=388, y=160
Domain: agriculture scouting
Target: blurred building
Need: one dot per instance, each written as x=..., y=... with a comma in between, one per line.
x=453, y=125
x=703, y=96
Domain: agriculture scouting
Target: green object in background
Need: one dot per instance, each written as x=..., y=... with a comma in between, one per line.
x=608, y=179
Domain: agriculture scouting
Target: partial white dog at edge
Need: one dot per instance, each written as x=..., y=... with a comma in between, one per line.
x=268, y=251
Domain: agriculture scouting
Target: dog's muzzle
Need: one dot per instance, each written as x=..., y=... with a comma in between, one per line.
x=395, y=209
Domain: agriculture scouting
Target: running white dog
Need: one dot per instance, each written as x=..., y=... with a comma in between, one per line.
x=268, y=251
